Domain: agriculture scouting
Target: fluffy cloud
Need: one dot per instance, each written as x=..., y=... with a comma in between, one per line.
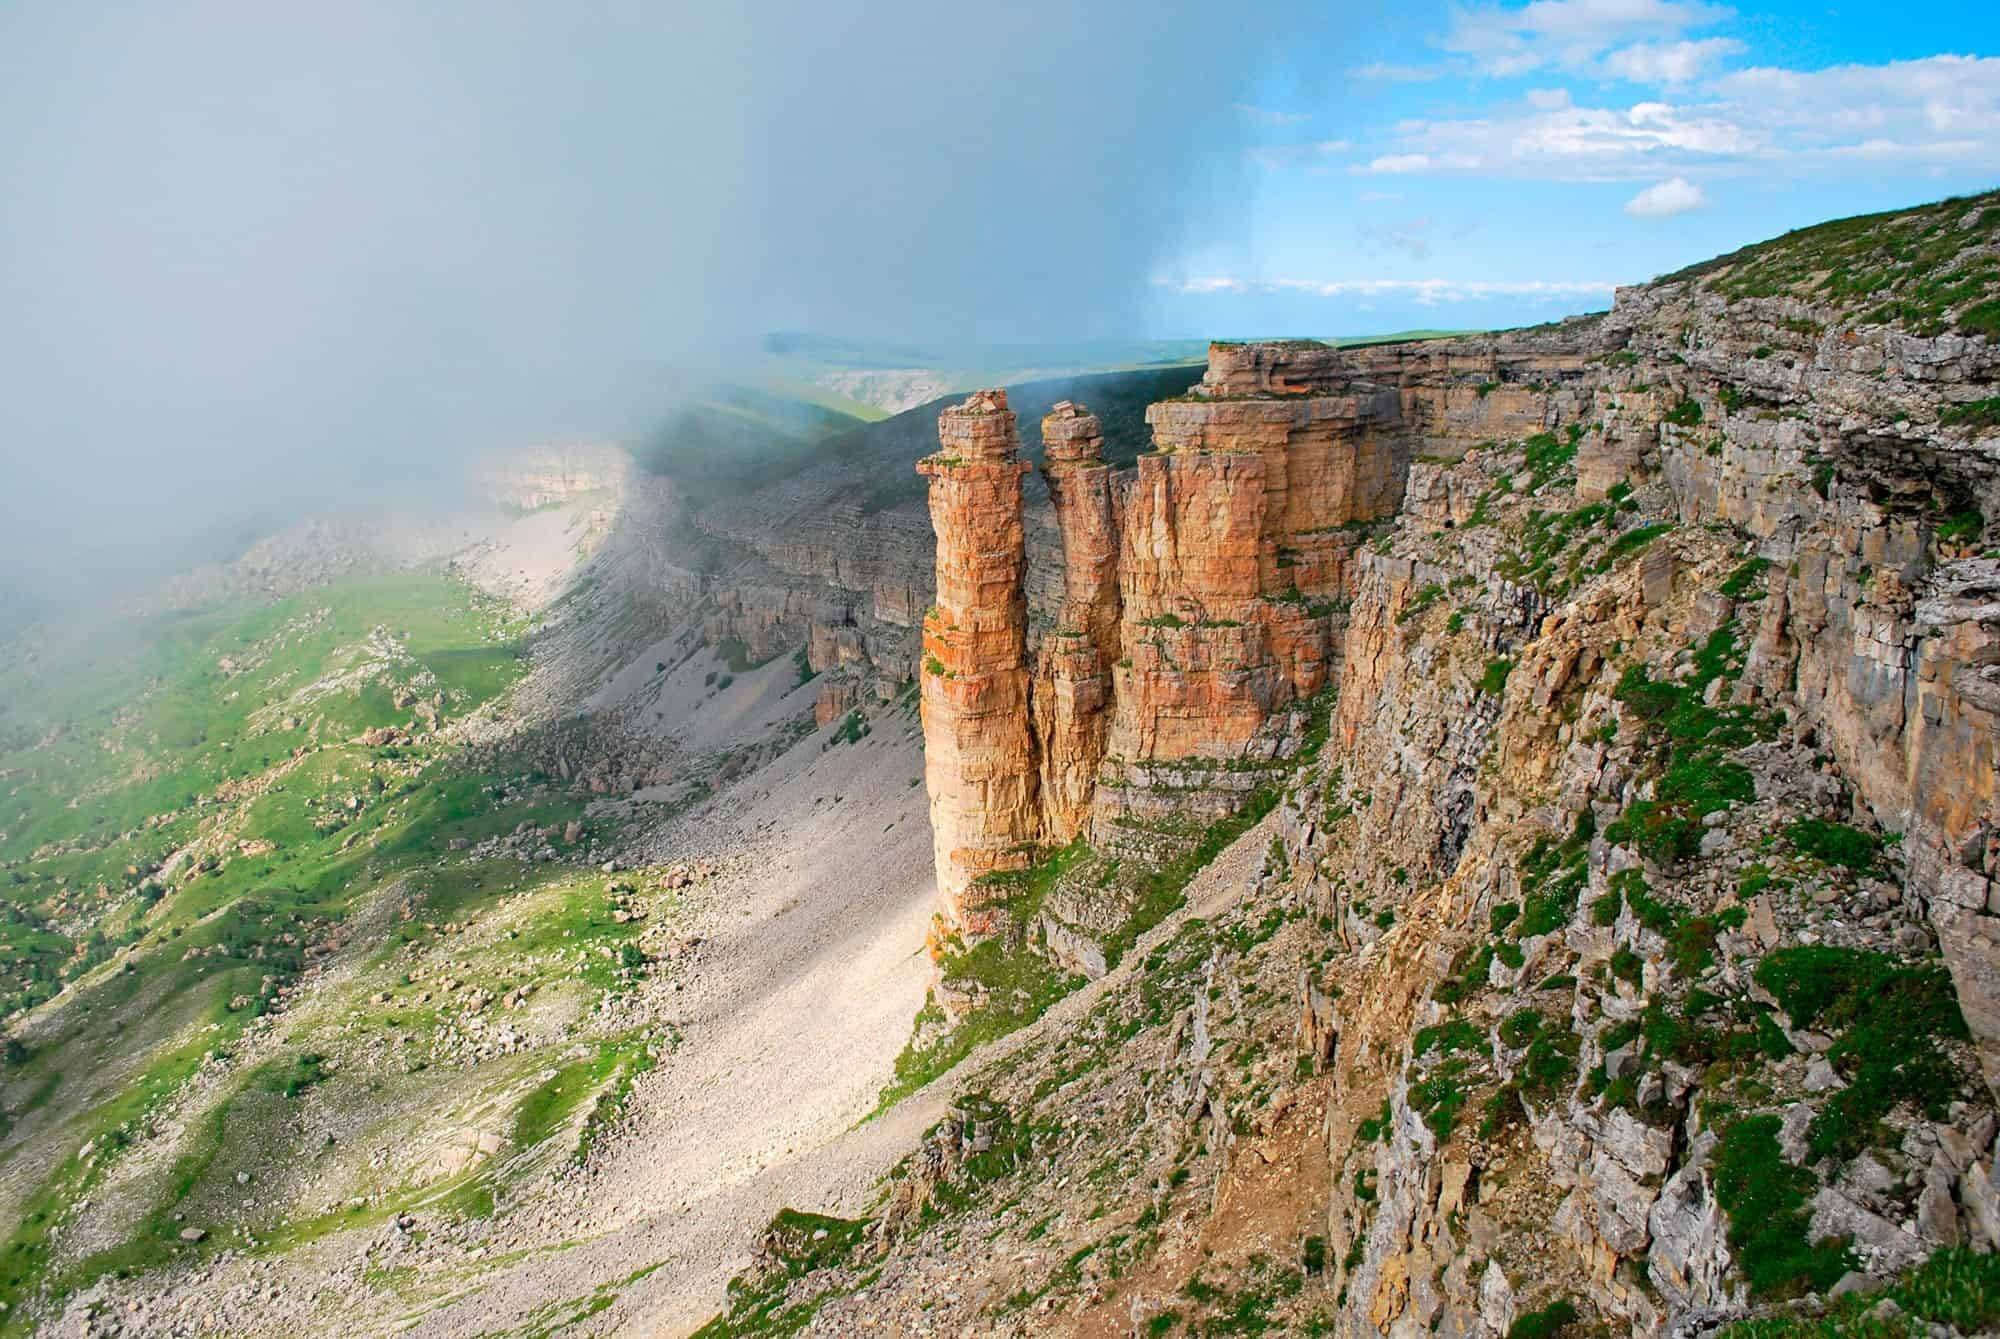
x=1669, y=63
x=1912, y=115
x=1675, y=195
x=1568, y=34
x=1936, y=97
x=1568, y=142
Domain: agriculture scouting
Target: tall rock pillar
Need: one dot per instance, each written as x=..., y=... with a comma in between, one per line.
x=1073, y=679
x=979, y=764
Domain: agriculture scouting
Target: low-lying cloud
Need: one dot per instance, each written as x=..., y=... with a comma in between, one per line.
x=280, y=256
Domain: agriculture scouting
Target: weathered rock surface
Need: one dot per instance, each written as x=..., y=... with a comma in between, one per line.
x=1667, y=646
x=979, y=763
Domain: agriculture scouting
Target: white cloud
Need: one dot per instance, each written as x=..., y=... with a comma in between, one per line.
x=1429, y=292
x=1568, y=142
x=1937, y=96
x=1913, y=116
x=1383, y=72
x=1284, y=155
x=1675, y=195
x=1569, y=34
x=1266, y=116
x=1548, y=99
x=1396, y=164
x=1669, y=63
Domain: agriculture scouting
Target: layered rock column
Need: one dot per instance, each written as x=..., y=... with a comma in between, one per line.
x=1197, y=678
x=1238, y=542
x=1072, y=691
x=979, y=764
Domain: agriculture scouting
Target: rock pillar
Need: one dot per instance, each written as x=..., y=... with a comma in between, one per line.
x=979, y=764
x=1073, y=679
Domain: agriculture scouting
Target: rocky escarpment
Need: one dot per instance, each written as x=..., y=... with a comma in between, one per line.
x=1198, y=603
x=1625, y=957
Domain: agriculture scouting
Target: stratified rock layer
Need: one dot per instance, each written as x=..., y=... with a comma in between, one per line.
x=979, y=762
x=1072, y=691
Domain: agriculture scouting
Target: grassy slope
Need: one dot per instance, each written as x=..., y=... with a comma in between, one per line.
x=201, y=733
x=1923, y=268
x=736, y=437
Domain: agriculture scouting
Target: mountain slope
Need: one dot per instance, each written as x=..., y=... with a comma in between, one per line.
x=1624, y=962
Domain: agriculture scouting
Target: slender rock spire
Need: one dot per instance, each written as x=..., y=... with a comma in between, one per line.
x=979, y=763
x=1073, y=677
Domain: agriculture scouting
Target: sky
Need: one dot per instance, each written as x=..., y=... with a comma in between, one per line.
x=256, y=258
x=1457, y=166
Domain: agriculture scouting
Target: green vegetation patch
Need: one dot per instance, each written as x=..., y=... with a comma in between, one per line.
x=1767, y=1201
x=1972, y=414
x=1888, y=1018
x=1545, y=1323
x=1928, y=269
x=1689, y=742
x=1956, y=1287
x=797, y=1246
x=1836, y=844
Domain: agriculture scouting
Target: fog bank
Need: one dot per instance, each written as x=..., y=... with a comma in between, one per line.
x=257, y=258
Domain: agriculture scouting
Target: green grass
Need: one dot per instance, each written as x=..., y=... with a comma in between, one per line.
x=1972, y=414
x=1956, y=1287
x=1767, y=1202
x=1545, y=1323
x=1746, y=581
x=1422, y=600
x=1545, y=456
x=1962, y=527
x=1687, y=747
x=1924, y=269
x=242, y=720
x=1888, y=1018
x=801, y=1245
x=1018, y=982
x=1836, y=844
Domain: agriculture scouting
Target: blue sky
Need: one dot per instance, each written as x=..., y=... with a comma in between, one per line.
x=1487, y=164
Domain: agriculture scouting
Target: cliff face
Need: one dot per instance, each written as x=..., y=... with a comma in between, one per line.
x=1199, y=598
x=1633, y=944
x=1072, y=689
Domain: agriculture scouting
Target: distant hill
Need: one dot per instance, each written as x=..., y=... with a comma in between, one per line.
x=879, y=456
x=737, y=437
x=900, y=376
x=738, y=440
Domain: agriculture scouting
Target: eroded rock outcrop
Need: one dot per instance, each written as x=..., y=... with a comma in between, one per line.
x=979, y=761
x=1201, y=597
x=1072, y=690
